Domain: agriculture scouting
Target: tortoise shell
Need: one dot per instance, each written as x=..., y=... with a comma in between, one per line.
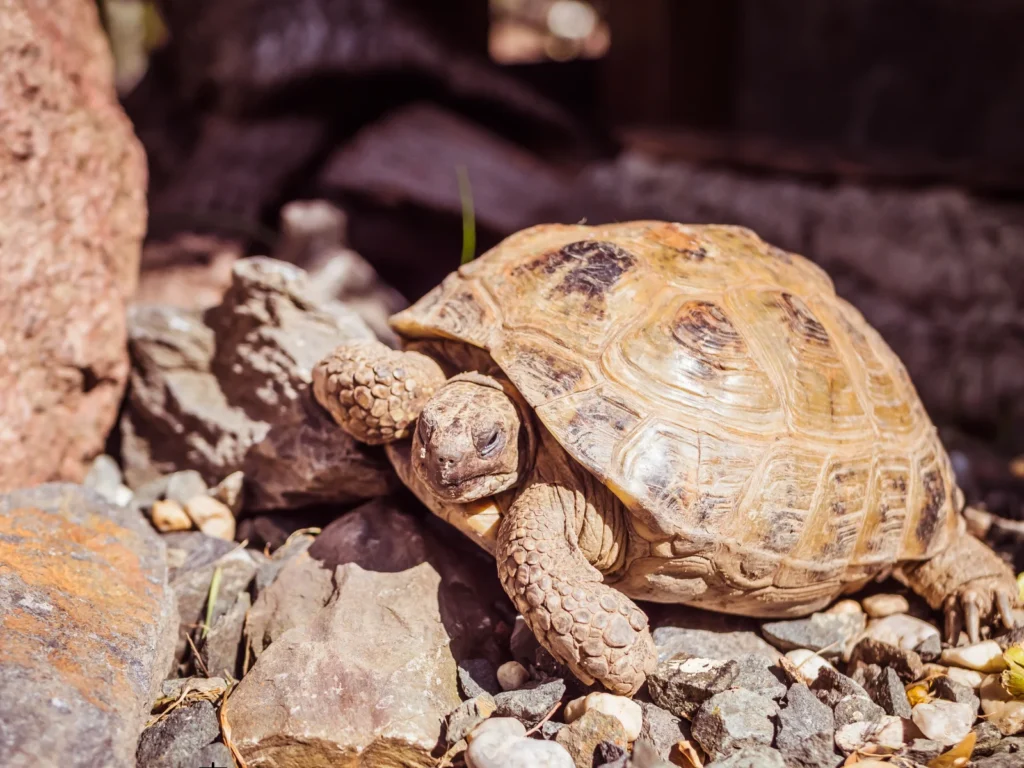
x=742, y=411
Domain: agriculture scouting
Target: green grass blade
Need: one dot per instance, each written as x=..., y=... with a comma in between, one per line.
x=468, y=215
x=211, y=600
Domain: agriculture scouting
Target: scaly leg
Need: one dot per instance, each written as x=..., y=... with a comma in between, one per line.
x=598, y=632
x=373, y=392
x=969, y=582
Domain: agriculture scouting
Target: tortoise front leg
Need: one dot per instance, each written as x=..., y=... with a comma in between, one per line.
x=598, y=632
x=373, y=392
x=969, y=582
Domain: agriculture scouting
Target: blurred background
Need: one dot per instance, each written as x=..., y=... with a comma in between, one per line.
x=883, y=140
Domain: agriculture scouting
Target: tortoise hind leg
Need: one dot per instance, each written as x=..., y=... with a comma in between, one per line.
x=374, y=392
x=598, y=632
x=969, y=582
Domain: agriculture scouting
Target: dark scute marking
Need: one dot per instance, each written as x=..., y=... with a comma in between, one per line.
x=931, y=510
x=703, y=327
x=802, y=321
x=694, y=254
x=593, y=266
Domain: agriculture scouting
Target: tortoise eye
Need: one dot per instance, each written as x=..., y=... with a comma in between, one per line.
x=424, y=429
x=493, y=442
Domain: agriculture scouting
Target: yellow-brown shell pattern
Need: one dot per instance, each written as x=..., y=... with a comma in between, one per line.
x=720, y=388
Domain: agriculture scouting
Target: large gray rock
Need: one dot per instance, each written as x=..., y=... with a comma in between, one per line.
x=806, y=731
x=371, y=676
x=87, y=627
x=750, y=757
x=370, y=673
x=229, y=390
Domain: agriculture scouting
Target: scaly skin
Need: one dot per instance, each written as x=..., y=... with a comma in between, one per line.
x=595, y=630
x=969, y=582
x=373, y=392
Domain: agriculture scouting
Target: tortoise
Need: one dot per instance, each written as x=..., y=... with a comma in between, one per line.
x=665, y=412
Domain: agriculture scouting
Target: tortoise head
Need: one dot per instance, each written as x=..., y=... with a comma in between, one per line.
x=472, y=440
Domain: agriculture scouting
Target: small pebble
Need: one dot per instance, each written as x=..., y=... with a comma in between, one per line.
x=886, y=689
x=582, y=737
x=906, y=664
x=880, y=606
x=467, y=716
x=504, y=747
x=169, y=516
x=508, y=726
x=845, y=606
x=512, y=675
x=229, y=491
x=885, y=732
x=530, y=703
x=947, y=722
x=856, y=709
x=946, y=688
x=901, y=630
x=830, y=686
x=985, y=656
x=808, y=662
x=969, y=677
x=211, y=517
x=987, y=737
x=627, y=711
x=1001, y=709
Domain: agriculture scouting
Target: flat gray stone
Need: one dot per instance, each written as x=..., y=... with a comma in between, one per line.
x=824, y=633
x=831, y=685
x=87, y=626
x=709, y=644
x=757, y=673
x=886, y=689
x=661, y=729
x=734, y=719
x=529, y=704
x=856, y=709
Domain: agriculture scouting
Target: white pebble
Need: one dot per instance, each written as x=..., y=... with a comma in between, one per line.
x=845, y=606
x=168, y=516
x=885, y=732
x=808, y=662
x=900, y=630
x=969, y=677
x=946, y=722
x=509, y=726
x=1000, y=708
x=497, y=750
x=985, y=656
x=626, y=711
x=512, y=676
x=212, y=517
x=880, y=606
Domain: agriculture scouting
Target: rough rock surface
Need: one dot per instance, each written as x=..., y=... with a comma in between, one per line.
x=806, y=729
x=824, y=633
x=734, y=719
x=228, y=390
x=582, y=737
x=87, y=625
x=177, y=740
x=72, y=217
x=404, y=609
x=709, y=643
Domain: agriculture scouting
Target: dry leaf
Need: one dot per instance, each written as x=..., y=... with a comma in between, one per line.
x=957, y=756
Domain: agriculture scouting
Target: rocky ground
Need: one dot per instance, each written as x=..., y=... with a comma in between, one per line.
x=245, y=586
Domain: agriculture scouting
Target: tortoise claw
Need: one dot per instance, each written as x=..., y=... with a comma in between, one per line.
x=1004, y=603
x=972, y=616
x=954, y=622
